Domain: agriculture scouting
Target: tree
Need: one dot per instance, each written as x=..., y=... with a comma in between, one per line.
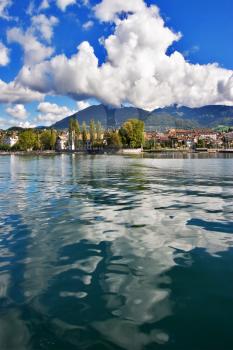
x=27, y=140
x=98, y=132
x=53, y=139
x=201, y=143
x=48, y=139
x=132, y=133
x=71, y=134
x=92, y=132
x=37, y=145
x=113, y=139
x=84, y=134
x=4, y=147
x=74, y=133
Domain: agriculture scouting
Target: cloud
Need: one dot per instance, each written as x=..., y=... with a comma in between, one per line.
x=34, y=51
x=4, y=55
x=31, y=8
x=108, y=9
x=51, y=112
x=88, y=25
x=41, y=29
x=82, y=105
x=26, y=125
x=4, y=123
x=18, y=111
x=4, y=6
x=44, y=26
x=44, y=5
x=191, y=51
x=63, y=4
x=14, y=93
x=19, y=114
x=138, y=70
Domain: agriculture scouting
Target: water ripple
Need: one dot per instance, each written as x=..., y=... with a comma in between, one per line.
x=111, y=252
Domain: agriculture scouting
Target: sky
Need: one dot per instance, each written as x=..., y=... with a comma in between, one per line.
x=61, y=56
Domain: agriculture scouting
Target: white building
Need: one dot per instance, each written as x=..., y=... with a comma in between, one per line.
x=71, y=141
x=11, y=140
x=208, y=135
x=62, y=142
x=229, y=136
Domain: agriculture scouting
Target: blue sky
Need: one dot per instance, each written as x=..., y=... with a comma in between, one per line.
x=206, y=37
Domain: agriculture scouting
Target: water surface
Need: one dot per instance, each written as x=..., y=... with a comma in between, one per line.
x=112, y=252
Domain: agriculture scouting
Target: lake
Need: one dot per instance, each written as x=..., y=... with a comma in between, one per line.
x=116, y=252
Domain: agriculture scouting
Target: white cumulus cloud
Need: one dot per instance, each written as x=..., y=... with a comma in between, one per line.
x=138, y=70
x=4, y=55
x=63, y=4
x=34, y=51
x=14, y=93
x=18, y=111
x=82, y=105
x=44, y=25
x=4, y=6
x=88, y=25
x=41, y=29
x=7, y=123
x=108, y=9
x=51, y=113
x=44, y=5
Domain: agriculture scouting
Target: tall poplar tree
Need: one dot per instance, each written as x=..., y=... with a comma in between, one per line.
x=92, y=132
x=84, y=134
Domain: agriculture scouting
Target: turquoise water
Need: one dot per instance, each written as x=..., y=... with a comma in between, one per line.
x=111, y=252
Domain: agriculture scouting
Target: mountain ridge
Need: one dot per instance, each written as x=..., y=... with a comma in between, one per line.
x=162, y=118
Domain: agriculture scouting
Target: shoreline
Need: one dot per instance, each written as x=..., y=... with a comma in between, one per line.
x=119, y=152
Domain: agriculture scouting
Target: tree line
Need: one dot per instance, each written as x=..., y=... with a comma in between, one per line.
x=32, y=139
x=94, y=136
x=130, y=135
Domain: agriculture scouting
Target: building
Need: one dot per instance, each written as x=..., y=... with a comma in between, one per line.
x=10, y=140
x=62, y=142
x=228, y=139
x=208, y=135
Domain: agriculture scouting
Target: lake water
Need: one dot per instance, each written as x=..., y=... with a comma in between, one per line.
x=112, y=252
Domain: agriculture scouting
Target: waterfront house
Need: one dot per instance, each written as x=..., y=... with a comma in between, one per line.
x=228, y=139
x=62, y=142
x=10, y=140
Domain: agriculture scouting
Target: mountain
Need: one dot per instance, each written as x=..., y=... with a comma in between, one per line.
x=15, y=128
x=207, y=116
x=109, y=117
x=159, y=119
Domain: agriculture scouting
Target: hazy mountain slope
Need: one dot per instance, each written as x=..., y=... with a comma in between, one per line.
x=207, y=116
x=162, y=118
x=162, y=121
x=98, y=113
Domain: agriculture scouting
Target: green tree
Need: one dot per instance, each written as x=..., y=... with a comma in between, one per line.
x=53, y=139
x=37, y=145
x=4, y=147
x=71, y=133
x=113, y=139
x=92, y=132
x=77, y=133
x=48, y=139
x=98, y=131
x=201, y=143
x=74, y=132
x=132, y=133
x=27, y=140
x=84, y=134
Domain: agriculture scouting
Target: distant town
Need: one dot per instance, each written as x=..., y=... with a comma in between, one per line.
x=130, y=136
